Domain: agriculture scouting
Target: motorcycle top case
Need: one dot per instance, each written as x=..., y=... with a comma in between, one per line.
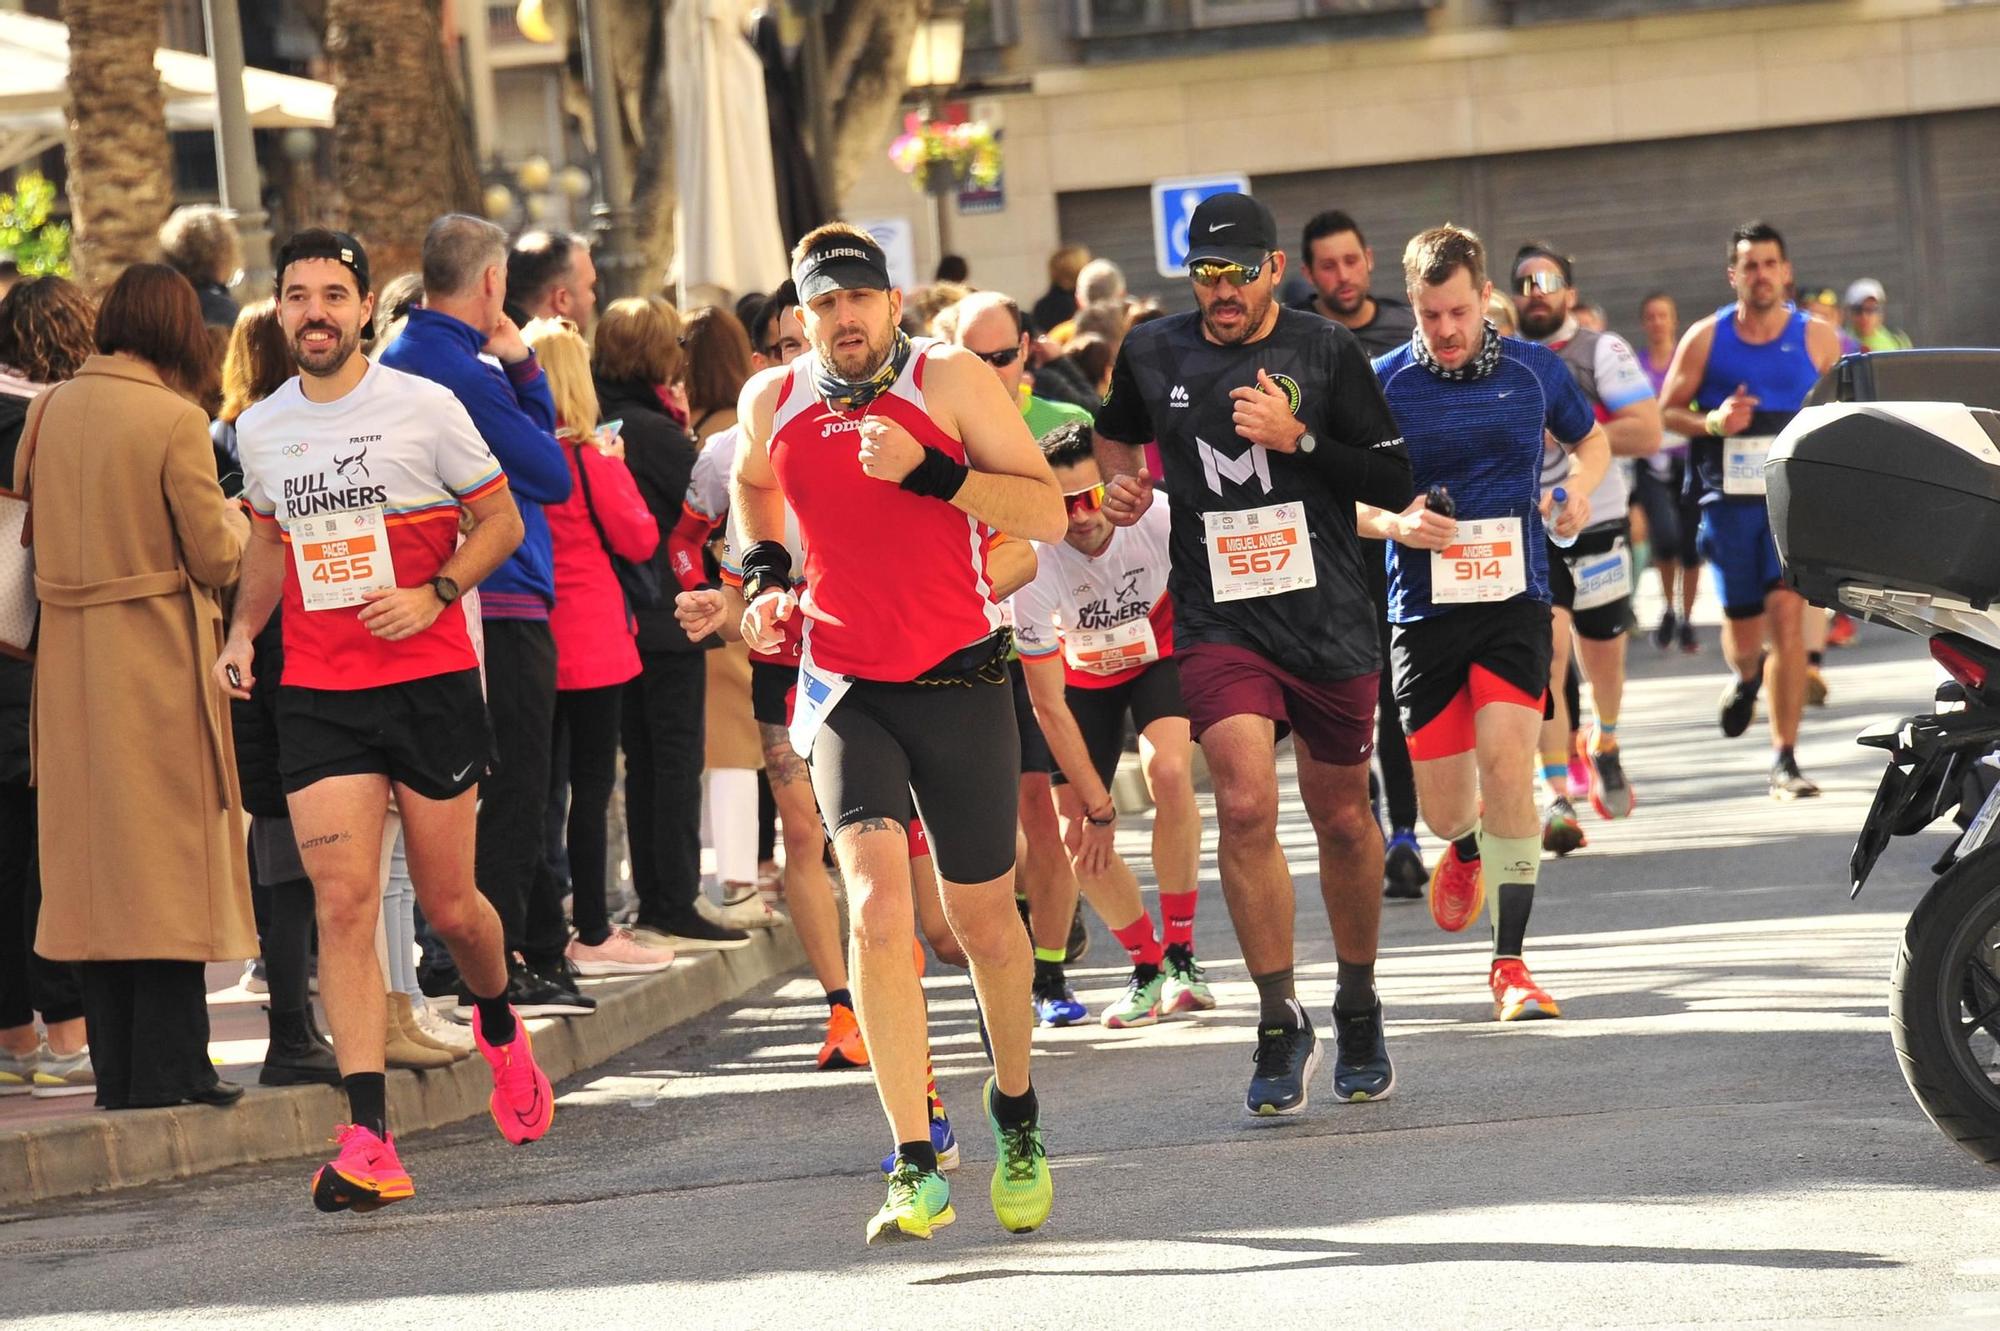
x=1899, y=495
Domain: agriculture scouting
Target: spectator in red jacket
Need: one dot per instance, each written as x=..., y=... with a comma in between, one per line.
x=603, y=522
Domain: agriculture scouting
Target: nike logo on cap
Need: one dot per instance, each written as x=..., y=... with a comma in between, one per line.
x=1220, y=226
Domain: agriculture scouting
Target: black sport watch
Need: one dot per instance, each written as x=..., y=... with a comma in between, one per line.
x=445, y=589
x=1307, y=443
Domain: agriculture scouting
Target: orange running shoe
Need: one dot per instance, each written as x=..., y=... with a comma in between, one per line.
x=523, y=1103
x=1841, y=632
x=843, y=1047
x=366, y=1175
x=1458, y=890
x=1516, y=996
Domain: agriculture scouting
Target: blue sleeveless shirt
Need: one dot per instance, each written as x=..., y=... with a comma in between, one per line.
x=1779, y=374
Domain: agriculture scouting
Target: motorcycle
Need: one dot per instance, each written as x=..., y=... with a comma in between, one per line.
x=1885, y=502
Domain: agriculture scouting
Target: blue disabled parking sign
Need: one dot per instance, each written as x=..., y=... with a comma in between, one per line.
x=1174, y=202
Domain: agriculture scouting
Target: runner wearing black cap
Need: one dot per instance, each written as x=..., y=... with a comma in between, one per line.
x=1272, y=427
x=900, y=459
x=357, y=475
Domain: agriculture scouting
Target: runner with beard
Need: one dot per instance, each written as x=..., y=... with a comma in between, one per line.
x=1272, y=427
x=1747, y=368
x=357, y=475
x=1591, y=581
x=900, y=460
x=1468, y=586
x=1341, y=265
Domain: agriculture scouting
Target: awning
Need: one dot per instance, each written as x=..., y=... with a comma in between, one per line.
x=34, y=90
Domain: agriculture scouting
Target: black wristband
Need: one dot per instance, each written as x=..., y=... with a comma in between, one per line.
x=1105, y=821
x=937, y=475
x=766, y=564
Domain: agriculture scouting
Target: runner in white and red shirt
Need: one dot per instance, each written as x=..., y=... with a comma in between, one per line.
x=901, y=459
x=1096, y=633
x=357, y=475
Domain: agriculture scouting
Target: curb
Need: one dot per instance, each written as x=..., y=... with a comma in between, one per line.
x=101, y=1151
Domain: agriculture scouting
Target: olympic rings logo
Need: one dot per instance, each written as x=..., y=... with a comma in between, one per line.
x=293, y=450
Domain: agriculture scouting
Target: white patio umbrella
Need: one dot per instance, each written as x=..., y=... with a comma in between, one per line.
x=727, y=232
x=34, y=69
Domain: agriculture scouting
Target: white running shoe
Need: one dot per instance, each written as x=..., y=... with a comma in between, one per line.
x=743, y=907
x=441, y=1028
x=620, y=954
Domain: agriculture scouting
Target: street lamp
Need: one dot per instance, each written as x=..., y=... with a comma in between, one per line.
x=937, y=54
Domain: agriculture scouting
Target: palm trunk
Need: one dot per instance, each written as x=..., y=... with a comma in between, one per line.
x=401, y=143
x=121, y=183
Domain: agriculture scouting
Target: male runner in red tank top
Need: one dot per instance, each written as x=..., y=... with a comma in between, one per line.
x=900, y=460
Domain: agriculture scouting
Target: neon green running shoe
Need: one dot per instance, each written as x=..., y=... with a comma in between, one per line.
x=1022, y=1189
x=1187, y=988
x=918, y=1203
x=1139, y=1005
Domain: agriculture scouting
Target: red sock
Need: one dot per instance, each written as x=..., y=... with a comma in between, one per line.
x=931, y=1099
x=1139, y=941
x=1177, y=918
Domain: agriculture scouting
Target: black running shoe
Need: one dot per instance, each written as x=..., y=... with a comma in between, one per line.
x=1663, y=633
x=551, y=992
x=1403, y=871
x=1739, y=705
x=1361, y=1068
x=1078, y=946
x=1287, y=1057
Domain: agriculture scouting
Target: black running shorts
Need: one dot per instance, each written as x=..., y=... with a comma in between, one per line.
x=955, y=748
x=1600, y=623
x=771, y=689
x=430, y=735
x=1035, y=755
x=1100, y=713
x=1449, y=665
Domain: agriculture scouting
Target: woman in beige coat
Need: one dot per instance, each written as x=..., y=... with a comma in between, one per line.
x=142, y=837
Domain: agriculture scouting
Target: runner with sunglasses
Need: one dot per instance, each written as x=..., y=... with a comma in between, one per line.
x=989, y=325
x=1272, y=427
x=1096, y=632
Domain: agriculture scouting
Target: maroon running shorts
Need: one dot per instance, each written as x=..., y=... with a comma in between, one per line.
x=1334, y=719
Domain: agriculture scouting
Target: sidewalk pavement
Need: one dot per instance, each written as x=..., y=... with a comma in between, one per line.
x=61, y=1147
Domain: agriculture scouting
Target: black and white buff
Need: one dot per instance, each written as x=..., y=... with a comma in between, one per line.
x=845, y=395
x=1478, y=367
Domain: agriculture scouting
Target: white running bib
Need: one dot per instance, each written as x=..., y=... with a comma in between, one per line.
x=1485, y=563
x=1602, y=579
x=1258, y=552
x=1743, y=464
x=1109, y=651
x=819, y=693
x=341, y=556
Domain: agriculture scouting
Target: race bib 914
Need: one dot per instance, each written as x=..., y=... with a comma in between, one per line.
x=1485, y=563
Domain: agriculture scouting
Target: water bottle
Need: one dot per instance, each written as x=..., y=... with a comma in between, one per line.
x=1560, y=542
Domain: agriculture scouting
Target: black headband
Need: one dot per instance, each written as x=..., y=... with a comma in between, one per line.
x=841, y=263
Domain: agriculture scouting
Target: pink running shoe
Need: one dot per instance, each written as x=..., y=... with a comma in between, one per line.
x=523, y=1104
x=620, y=954
x=366, y=1175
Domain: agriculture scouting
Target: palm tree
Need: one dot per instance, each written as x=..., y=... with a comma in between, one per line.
x=403, y=150
x=121, y=183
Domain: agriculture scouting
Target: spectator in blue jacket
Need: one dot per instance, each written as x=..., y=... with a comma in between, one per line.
x=461, y=338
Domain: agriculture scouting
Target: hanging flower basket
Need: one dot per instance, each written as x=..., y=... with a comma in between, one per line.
x=941, y=156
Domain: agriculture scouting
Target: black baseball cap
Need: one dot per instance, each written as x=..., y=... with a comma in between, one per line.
x=1234, y=228
x=320, y=243
x=841, y=262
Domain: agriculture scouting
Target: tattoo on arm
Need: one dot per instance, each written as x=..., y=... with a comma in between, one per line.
x=330, y=839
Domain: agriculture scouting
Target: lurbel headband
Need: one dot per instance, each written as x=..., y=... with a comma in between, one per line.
x=841, y=265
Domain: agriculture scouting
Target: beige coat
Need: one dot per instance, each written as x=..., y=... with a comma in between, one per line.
x=142, y=831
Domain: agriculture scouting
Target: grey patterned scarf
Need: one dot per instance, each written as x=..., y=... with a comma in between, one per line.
x=1478, y=367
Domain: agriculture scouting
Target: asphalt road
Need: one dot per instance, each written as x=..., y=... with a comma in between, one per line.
x=1717, y=1133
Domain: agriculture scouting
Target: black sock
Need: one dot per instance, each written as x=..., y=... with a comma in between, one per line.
x=921, y=1154
x=1786, y=756
x=368, y=1101
x=1517, y=900
x=1467, y=846
x=1354, y=987
x=1815, y=659
x=1145, y=974
x=1049, y=976
x=1014, y=1111
x=1276, y=1002
x=840, y=998
x=1180, y=953
x=496, y=1019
